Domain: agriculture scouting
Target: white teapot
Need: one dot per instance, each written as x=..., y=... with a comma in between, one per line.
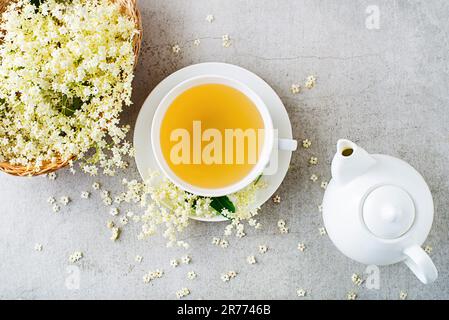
x=378, y=210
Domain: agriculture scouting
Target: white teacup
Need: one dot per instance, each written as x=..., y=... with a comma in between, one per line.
x=266, y=153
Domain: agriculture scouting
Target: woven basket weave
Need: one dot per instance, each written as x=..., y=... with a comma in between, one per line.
x=129, y=8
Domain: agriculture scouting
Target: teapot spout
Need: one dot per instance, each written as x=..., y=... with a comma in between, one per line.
x=350, y=161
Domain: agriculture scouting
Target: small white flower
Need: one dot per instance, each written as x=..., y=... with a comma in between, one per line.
x=224, y=243
x=251, y=259
x=310, y=82
x=277, y=199
x=191, y=275
x=301, y=247
x=85, y=195
x=51, y=200
x=96, y=186
x=301, y=292
x=313, y=160
x=356, y=279
x=232, y=274
x=76, y=256
x=110, y=224
x=428, y=249
x=56, y=207
x=263, y=248
x=226, y=40
x=351, y=296
x=197, y=42
x=324, y=184
x=114, y=211
x=138, y=259
x=115, y=233
x=283, y=230
x=38, y=247
x=210, y=18
x=295, y=88
x=224, y=277
x=72, y=170
x=104, y=194
x=174, y=263
x=281, y=223
x=107, y=201
x=52, y=176
x=314, y=177
x=322, y=231
x=216, y=241
x=186, y=260
x=306, y=143
x=64, y=200
x=403, y=295
x=182, y=293
x=176, y=49
x=124, y=220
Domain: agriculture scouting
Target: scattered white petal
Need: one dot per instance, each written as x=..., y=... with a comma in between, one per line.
x=38, y=247
x=186, y=259
x=251, y=259
x=313, y=160
x=115, y=233
x=403, y=295
x=191, y=275
x=301, y=292
x=263, y=248
x=114, y=211
x=76, y=256
x=174, y=263
x=306, y=143
x=176, y=49
x=351, y=296
x=64, y=200
x=295, y=88
x=301, y=247
x=322, y=231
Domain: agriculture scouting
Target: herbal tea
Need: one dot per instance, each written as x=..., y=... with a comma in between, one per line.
x=211, y=136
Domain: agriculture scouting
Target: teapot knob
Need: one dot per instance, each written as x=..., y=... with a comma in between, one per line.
x=388, y=212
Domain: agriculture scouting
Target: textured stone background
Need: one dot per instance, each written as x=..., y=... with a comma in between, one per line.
x=386, y=89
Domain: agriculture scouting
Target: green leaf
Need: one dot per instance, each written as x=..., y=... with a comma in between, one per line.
x=36, y=3
x=70, y=105
x=220, y=203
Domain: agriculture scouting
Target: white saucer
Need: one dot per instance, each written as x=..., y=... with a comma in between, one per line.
x=142, y=140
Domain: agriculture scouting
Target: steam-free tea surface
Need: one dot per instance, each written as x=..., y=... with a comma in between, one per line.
x=213, y=106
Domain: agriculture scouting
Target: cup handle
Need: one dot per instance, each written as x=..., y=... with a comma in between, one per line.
x=287, y=144
x=421, y=265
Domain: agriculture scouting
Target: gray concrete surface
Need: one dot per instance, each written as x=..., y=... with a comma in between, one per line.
x=386, y=88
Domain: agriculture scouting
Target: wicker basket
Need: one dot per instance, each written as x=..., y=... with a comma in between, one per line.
x=129, y=8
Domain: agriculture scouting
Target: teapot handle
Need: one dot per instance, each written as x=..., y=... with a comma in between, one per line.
x=420, y=263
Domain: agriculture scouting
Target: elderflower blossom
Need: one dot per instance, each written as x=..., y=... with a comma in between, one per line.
x=169, y=206
x=75, y=256
x=65, y=71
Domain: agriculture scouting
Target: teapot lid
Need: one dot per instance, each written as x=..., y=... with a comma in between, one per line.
x=388, y=212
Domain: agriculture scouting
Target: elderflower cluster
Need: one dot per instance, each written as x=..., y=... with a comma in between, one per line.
x=65, y=71
x=169, y=206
